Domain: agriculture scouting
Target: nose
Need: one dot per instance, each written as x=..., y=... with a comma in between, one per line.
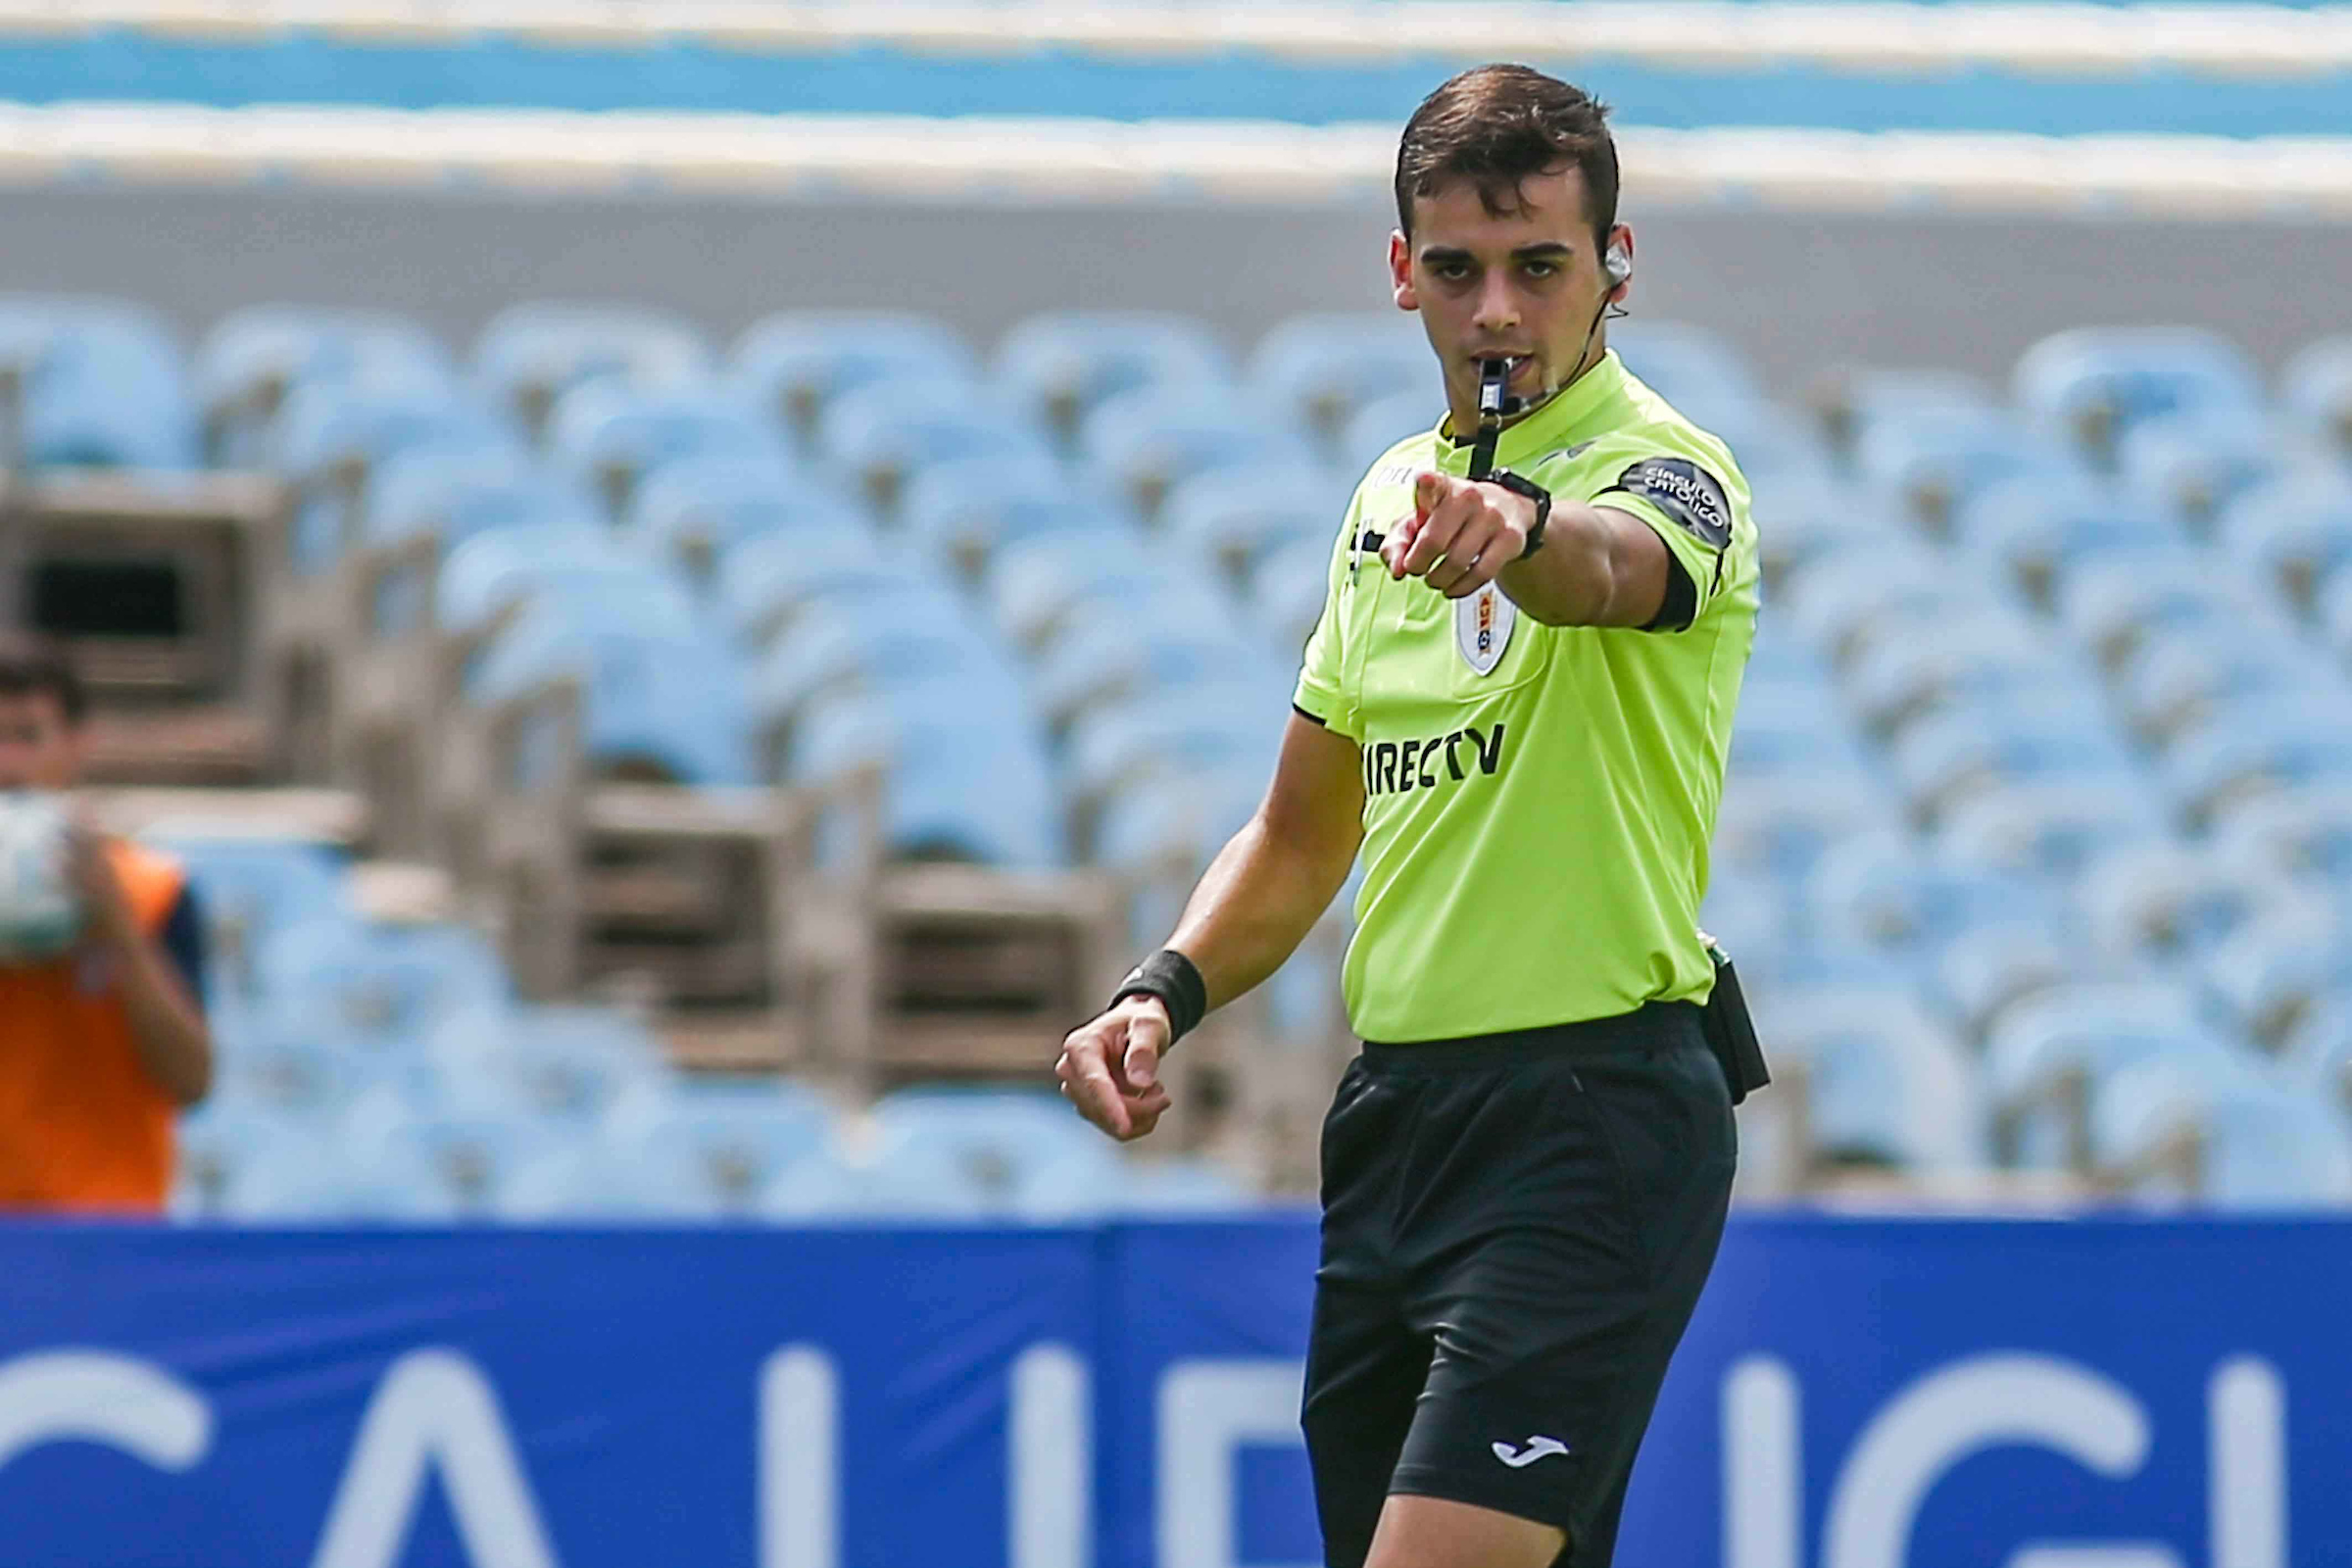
x=1497, y=307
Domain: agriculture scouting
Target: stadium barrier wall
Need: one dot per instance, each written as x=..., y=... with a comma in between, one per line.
x=1854, y=1393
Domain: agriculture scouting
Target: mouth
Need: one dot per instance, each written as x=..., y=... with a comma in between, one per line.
x=1515, y=366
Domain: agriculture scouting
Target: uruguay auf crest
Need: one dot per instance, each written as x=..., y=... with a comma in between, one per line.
x=1482, y=628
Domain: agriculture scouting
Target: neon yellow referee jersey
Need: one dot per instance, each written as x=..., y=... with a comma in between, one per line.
x=1538, y=800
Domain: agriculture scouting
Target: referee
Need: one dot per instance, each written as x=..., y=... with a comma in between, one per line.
x=1516, y=706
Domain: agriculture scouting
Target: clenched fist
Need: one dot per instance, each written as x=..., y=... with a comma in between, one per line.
x=1109, y=1068
x=1460, y=536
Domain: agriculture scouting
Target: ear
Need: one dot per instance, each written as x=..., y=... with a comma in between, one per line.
x=1401, y=272
x=1622, y=236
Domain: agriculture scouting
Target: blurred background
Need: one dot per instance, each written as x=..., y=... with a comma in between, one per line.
x=693, y=582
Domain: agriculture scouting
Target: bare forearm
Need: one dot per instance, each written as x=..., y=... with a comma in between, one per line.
x=174, y=1043
x=1573, y=579
x=1256, y=904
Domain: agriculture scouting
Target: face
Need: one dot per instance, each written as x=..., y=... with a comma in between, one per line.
x=1524, y=287
x=38, y=748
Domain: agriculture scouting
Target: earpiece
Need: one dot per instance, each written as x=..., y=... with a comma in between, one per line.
x=1618, y=265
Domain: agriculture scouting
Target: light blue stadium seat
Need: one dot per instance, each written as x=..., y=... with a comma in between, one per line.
x=962, y=780
x=1106, y=656
x=1792, y=729
x=308, y=1076
x=692, y=513
x=1883, y=1081
x=1781, y=824
x=331, y=440
x=1058, y=367
x=879, y=437
x=2335, y=615
x=1377, y=426
x=1859, y=400
x=1228, y=519
x=1972, y=658
x=793, y=364
x=927, y=1186
x=1235, y=724
x=1979, y=974
x=2114, y=607
x=2079, y=1033
x=1841, y=604
x=964, y=512
x=832, y=645
x=2272, y=973
x=2294, y=534
x=1179, y=818
x=1316, y=370
x=1945, y=756
x=1688, y=365
x=764, y=583
x=2182, y=681
x=1146, y=443
x=2051, y=827
x=2167, y=900
x=2258, y=743
x=605, y=436
x=254, y=357
x=103, y=384
x=1027, y=1153
x=2191, y=465
x=2249, y=1141
x=2093, y=385
x=251, y=888
x=1287, y=592
x=576, y=1065
x=1749, y=918
x=224, y=1140
x=306, y=1180
x=2033, y=533
x=713, y=1145
x=2299, y=830
x=1801, y=519
x=353, y=981
x=454, y=494
x=2316, y=394
x=492, y=572
x=2316, y=1054
x=655, y=692
x=1164, y=1188
x=1873, y=891
x=1934, y=462
x=1033, y=587
x=531, y=354
x=448, y=1166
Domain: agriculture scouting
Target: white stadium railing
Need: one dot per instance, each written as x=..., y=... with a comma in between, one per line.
x=2250, y=40
x=1081, y=160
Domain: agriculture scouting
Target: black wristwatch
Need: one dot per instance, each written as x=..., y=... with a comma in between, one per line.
x=1521, y=484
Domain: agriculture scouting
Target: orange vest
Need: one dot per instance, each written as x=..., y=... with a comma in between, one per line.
x=82, y=1125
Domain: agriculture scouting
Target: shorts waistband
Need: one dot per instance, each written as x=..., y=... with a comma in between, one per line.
x=1650, y=1024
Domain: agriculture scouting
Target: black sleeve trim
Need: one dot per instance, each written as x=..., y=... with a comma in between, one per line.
x=181, y=938
x=1679, y=606
x=1309, y=717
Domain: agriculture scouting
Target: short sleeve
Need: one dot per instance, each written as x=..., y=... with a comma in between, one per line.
x=1694, y=509
x=1320, y=694
x=182, y=940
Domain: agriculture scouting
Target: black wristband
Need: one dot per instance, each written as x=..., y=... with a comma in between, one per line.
x=1170, y=976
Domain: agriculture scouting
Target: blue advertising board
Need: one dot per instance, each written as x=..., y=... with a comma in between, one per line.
x=1854, y=1393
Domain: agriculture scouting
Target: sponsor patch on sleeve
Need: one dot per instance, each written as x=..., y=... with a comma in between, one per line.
x=1686, y=493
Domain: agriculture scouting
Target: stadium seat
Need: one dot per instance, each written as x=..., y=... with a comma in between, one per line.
x=606, y=437
x=1805, y=519
x=1229, y=725
x=1228, y=519
x=2229, y=1135
x=374, y=984
x=1286, y=592
x=2094, y=384
x=2185, y=680
x=1144, y=444
x=1933, y=462
x=1850, y=402
x=2258, y=743
x=576, y=1066
x=1979, y=974
x=2316, y=392
x=2112, y=607
x=877, y=438
x=765, y=584
x=694, y=513
x=530, y=355
x=492, y=573
x=2045, y=1053
x=1781, y=825
x=225, y=1142
x=99, y=383
x=1971, y=659
x=1841, y=604
x=1020, y=1153
x=1058, y=367
x=2188, y=467
x=1791, y=730
x=444, y=1167
x=1106, y=656
x=2032, y=533
x=656, y=694
x=1173, y=822
x=832, y=645
x=2050, y=827
x=792, y=365
x=1944, y=757
x=1687, y=366
x=1377, y=426
x=333, y=439
x=1870, y=892
x=2292, y=533
x=1884, y=1084
x=252, y=888
x=1316, y=370
x=959, y=783
x=962, y=512
x=254, y=359
x=2274, y=971
x=452, y=494
x=1034, y=588
x=2298, y=830
x=2165, y=900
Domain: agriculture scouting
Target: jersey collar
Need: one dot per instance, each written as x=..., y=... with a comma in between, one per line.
x=1556, y=424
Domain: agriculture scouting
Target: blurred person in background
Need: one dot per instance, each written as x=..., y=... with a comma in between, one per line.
x=102, y=1029
x=1518, y=707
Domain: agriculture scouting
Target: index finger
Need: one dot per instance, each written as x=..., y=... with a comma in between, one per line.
x=1092, y=1090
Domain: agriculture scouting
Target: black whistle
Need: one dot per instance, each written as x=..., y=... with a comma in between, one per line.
x=1494, y=401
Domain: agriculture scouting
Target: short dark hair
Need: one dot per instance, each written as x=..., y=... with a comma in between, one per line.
x=1499, y=127
x=31, y=666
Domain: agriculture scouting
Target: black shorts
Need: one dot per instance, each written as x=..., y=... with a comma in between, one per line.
x=1515, y=1230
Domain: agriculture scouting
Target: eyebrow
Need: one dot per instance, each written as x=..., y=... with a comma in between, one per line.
x=1543, y=251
